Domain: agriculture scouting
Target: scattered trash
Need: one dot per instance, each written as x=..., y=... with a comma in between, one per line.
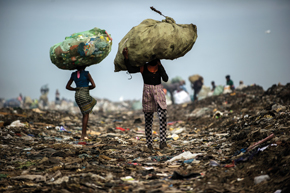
x=261, y=178
x=246, y=146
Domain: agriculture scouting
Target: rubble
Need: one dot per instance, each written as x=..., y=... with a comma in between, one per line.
x=234, y=142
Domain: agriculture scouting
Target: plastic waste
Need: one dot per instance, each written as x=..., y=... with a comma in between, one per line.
x=129, y=179
x=181, y=97
x=218, y=114
x=81, y=49
x=16, y=123
x=203, y=93
x=214, y=163
x=259, y=179
x=174, y=136
x=189, y=161
x=185, y=156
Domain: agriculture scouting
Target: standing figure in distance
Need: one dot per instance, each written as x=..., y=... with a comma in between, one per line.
x=85, y=102
x=196, y=86
x=57, y=99
x=230, y=82
x=213, y=85
x=153, y=99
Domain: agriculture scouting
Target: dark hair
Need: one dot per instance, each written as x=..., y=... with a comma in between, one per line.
x=227, y=76
x=79, y=68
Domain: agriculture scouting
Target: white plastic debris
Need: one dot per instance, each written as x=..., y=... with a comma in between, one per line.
x=184, y=156
x=121, y=141
x=16, y=123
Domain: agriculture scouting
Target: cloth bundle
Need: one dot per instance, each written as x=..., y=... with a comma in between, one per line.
x=81, y=49
x=153, y=39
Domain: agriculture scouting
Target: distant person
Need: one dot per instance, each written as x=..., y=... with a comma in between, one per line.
x=153, y=99
x=20, y=98
x=83, y=99
x=196, y=86
x=57, y=98
x=230, y=82
x=27, y=102
x=241, y=85
x=44, y=89
x=213, y=85
x=43, y=98
x=182, y=85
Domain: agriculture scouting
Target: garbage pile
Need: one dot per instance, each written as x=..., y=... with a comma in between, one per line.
x=235, y=142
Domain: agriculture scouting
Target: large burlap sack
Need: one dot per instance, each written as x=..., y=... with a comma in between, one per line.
x=194, y=78
x=81, y=49
x=153, y=39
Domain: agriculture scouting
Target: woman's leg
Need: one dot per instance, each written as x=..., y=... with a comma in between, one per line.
x=85, y=124
x=162, y=113
x=148, y=128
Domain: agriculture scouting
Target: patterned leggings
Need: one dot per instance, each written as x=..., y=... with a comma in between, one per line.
x=148, y=125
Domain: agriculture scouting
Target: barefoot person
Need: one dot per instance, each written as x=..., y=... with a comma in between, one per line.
x=85, y=102
x=153, y=96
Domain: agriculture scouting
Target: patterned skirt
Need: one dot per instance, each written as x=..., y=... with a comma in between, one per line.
x=153, y=95
x=85, y=102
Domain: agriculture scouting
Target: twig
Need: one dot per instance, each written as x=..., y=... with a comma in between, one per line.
x=261, y=141
x=153, y=9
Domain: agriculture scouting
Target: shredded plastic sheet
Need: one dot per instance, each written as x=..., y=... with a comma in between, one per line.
x=185, y=156
x=153, y=39
x=81, y=49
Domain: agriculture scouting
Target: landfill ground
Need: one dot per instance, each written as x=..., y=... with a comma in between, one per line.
x=212, y=147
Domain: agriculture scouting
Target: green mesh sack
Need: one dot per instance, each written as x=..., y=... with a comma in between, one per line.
x=153, y=39
x=81, y=49
x=176, y=79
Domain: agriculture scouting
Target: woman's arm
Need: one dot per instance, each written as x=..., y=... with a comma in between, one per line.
x=92, y=82
x=68, y=85
x=162, y=72
x=131, y=69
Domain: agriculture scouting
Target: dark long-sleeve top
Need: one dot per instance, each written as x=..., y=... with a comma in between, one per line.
x=151, y=74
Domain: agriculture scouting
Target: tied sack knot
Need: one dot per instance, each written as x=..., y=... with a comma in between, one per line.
x=168, y=20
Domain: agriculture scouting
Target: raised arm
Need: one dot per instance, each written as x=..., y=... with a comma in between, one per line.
x=162, y=72
x=131, y=69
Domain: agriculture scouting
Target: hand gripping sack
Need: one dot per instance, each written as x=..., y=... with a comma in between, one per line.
x=153, y=39
x=81, y=49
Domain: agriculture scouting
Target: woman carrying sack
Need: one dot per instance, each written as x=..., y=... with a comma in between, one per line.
x=153, y=99
x=83, y=99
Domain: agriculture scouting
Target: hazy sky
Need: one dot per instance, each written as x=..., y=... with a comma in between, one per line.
x=232, y=39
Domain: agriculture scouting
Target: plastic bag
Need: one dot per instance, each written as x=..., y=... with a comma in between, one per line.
x=181, y=97
x=153, y=39
x=203, y=93
x=81, y=49
x=218, y=90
